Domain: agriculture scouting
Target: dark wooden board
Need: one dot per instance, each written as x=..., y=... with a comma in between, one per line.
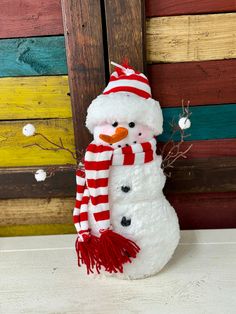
x=85, y=59
x=207, y=122
x=125, y=32
x=205, y=210
x=202, y=175
x=190, y=175
x=208, y=148
x=21, y=183
x=202, y=83
x=180, y=7
x=27, y=18
x=33, y=56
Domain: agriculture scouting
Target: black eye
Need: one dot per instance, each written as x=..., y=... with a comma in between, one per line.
x=115, y=124
x=131, y=124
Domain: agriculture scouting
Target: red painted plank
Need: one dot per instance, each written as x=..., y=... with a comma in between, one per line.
x=205, y=149
x=206, y=210
x=30, y=18
x=202, y=83
x=180, y=7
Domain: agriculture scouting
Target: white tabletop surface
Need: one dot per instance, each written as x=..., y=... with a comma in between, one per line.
x=40, y=275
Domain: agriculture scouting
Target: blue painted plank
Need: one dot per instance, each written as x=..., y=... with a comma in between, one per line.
x=33, y=56
x=207, y=122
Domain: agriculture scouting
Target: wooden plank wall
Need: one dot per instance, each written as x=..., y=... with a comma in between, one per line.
x=191, y=56
x=34, y=89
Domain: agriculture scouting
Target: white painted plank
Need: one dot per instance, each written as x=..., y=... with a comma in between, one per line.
x=43, y=278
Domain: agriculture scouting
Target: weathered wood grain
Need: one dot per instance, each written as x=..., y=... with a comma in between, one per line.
x=202, y=175
x=208, y=148
x=191, y=38
x=33, y=56
x=21, y=183
x=205, y=210
x=85, y=58
x=36, y=211
x=30, y=18
x=34, y=230
x=208, y=122
x=125, y=32
x=205, y=82
x=12, y=142
x=181, y=7
x=34, y=97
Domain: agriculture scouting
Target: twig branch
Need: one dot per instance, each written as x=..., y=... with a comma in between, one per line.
x=56, y=148
x=171, y=150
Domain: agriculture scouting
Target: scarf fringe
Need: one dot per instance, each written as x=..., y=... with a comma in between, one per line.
x=110, y=251
x=87, y=253
x=116, y=250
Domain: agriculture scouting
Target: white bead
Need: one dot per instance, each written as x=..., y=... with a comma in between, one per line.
x=40, y=175
x=184, y=123
x=28, y=130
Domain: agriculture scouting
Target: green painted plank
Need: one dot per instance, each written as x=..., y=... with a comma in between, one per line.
x=33, y=56
x=208, y=122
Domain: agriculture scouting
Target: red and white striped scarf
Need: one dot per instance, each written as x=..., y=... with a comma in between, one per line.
x=92, y=186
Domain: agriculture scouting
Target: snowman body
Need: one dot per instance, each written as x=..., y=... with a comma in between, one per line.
x=140, y=212
x=130, y=208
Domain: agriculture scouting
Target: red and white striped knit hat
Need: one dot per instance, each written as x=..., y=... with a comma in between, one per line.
x=126, y=98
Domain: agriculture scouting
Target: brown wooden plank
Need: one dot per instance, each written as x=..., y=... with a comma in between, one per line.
x=189, y=175
x=205, y=210
x=202, y=175
x=206, y=82
x=180, y=7
x=36, y=211
x=30, y=18
x=21, y=183
x=207, y=148
x=125, y=32
x=84, y=45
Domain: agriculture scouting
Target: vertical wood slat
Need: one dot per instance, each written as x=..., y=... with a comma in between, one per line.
x=85, y=59
x=125, y=32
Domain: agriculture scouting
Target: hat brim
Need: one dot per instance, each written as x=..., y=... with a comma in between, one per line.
x=124, y=107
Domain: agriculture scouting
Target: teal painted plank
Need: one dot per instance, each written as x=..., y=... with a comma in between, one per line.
x=33, y=56
x=208, y=122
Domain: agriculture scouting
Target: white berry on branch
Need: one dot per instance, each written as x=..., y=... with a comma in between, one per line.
x=28, y=130
x=40, y=175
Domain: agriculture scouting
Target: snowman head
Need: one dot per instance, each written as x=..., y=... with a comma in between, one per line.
x=125, y=113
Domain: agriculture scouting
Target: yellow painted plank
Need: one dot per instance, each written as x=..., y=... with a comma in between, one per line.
x=46, y=229
x=12, y=142
x=34, y=97
x=15, y=212
x=191, y=38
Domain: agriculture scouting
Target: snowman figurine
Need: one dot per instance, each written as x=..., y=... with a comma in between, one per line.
x=125, y=225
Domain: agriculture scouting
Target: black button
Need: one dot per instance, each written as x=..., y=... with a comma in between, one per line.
x=125, y=188
x=125, y=222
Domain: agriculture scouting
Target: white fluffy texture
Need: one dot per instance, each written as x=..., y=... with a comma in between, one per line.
x=124, y=107
x=184, y=123
x=154, y=224
x=28, y=130
x=40, y=175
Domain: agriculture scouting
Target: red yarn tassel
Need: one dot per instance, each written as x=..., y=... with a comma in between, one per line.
x=115, y=250
x=87, y=252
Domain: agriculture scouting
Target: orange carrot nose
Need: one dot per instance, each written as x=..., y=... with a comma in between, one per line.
x=119, y=135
